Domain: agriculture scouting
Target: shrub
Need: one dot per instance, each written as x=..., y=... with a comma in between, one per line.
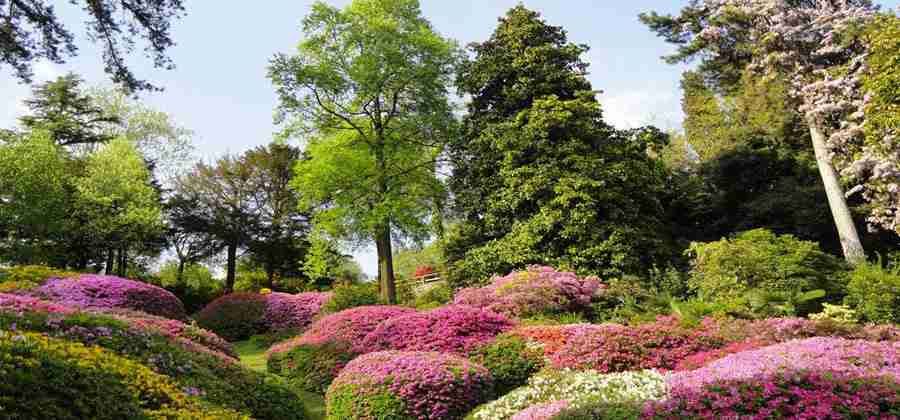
x=544, y=411
x=168, y=349
x=875, y=293
x=453, y=329
x=537, y=291
x=784, y=394
x=50, y=378
x=408, y=385
x=597, y=408
x=235, y=316
x=551, y=338
x=840, y=314
x=34, y=274
x=616, y=348
x=759, y=262
x=292, y=312
x=348, y=296
x=510, y=360
x=197, y=287
x=438, y=295
x=577, y=388
x=98, y=292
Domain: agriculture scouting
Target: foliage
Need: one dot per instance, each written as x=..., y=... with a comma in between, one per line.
x=196, y=286
x=408, y=385
x=409, y=260
x=370, y=81
x=628, y=298
x=841, y=314
x=46, y=377
x=67, y=113
x=595, y=408
x=538, y=177
x=326, y=265
x=874, y=292
x=235, y=316
x=510, y=360
x=758, y=261
x=346, y=296
x=115, y=25
x=91, y=291
x=576, y=388
x=537, y=291
x=292, y=312
x=435, y=296
x=34, y=274
x=452, y=329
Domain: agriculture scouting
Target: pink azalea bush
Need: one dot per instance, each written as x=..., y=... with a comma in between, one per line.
x=237, y=316
x=292, y=312
x=544, y=411
x=551, y=338
x=408, y=385
x=538, y=290
x=617, y=348
x=91, y=291
x=453, y=329
x=815, y=378
x=19, y=305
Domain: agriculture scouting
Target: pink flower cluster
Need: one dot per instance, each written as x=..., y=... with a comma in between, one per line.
x=189, y=336
x=454, y=329
x=552, y=338
x=815, y=378
x=431, y=385
x=539, y=290
x=18, y=304
x=544, y=411
x=350, y=326
x=292, y=312
x=109, y=292
x=616, y=348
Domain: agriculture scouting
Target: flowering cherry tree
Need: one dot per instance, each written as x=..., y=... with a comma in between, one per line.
x=817, y=46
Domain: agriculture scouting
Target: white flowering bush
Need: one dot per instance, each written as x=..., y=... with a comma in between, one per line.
x=576, y=387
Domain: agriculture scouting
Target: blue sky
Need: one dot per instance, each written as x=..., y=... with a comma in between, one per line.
x=220, y=90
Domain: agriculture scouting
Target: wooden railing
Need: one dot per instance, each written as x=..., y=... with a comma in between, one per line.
x=424, y=281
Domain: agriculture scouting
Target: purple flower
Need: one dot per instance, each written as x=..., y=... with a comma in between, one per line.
x=108, y=292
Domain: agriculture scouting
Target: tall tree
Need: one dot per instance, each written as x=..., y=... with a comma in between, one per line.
x=187, y=234
x=811, y=44
x=538, y=176
x=370, y=84
x=68, y=113
x=31, y=30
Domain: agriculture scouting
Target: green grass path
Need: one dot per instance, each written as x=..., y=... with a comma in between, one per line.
x=254, y=358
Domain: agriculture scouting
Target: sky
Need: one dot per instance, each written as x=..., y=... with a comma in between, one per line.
x=220, y=91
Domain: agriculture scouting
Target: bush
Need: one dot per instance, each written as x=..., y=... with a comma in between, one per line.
x=35, y=274
x=310, y=362
x=758, y=265
x=577, y=389
x=235, y=316
x=597, y=408
x=346, y=296
x=453, y=329
x=238, y=316
x=551, y=338
x=98, y=292
x=434, y=297
x=875, y=293
x=537, y=291
x=407, y=385
x=616, y=348
x=197, y=287
x=50, y=378
x=177, y=351
x=510, y=360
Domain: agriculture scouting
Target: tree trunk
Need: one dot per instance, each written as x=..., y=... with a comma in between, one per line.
x=232, y=263
x=123, y=262
x=386, y=265
x=110, y=261
x=843, y=220
x=180, y=275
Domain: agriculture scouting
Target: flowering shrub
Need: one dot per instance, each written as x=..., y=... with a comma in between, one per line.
x=98, y=292
x=19, y=305
x=802, y=394
x=346, y=296
x=511, y=361
x=551, y=337
x=51, y=378
x=235, y=316
x=698, y=360
x=544, y=411
x=577, y=388
x=537, y=291
x=616, y=348
x=292, y=312
x=408, y=385
x=454, y=329
x=311, y=361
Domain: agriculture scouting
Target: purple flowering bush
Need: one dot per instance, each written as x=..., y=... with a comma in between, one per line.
x=96, y=292
x=292, y=312
x=238, y=316
x=536, y=291
x=408, y=385
x=311, y=361
x=456, y=329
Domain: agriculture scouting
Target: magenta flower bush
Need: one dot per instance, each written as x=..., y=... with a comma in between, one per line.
x=408, y=385
x=101, y=293
x=452, y=329
x=19, y=305
x=538, y=290
x=238, y=316
x=292, y=312
x=544, y=411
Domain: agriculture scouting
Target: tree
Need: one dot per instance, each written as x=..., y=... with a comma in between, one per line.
x=30, y=30
x=538, y=176
x=811, y=44
x=369, y=87
x=222, y=197
x=122, y=206
x=187, y=235
x=71, y=116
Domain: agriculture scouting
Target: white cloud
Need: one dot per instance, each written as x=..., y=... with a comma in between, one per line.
x=642, y=107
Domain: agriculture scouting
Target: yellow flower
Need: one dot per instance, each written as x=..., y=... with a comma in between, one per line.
x=265, y=291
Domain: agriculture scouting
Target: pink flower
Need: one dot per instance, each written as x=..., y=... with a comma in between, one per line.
x=98, y=292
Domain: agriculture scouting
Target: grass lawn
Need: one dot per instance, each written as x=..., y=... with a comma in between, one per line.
x=254, y=357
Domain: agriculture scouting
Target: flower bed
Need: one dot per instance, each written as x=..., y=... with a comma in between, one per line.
x=453, y=329
x=537, y=291
x=551, y=338
x=576, y=388
x=408, y=385
x=238, y=316
x=98, y=292
x=292, y=312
